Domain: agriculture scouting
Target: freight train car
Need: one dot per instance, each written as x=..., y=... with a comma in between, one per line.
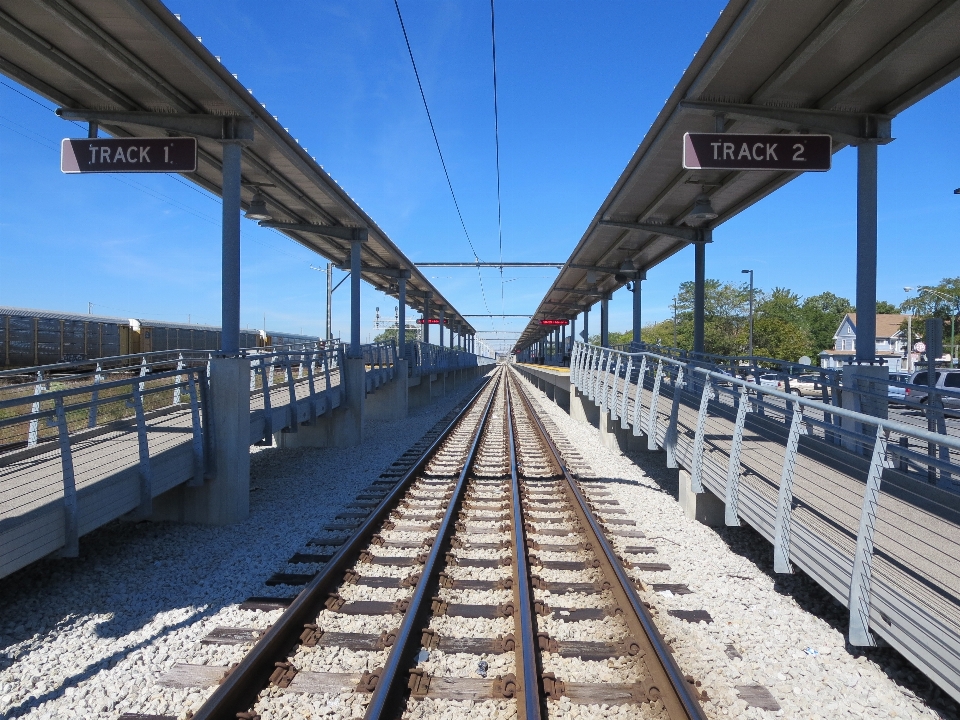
x=40, y=337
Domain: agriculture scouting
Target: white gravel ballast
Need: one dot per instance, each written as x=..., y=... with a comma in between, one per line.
x=90, y=637
x=782, y=633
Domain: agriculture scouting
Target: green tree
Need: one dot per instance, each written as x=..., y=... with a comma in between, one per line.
x=392, y=334
x=822, y=315
x=886, y=308
x=775, y=337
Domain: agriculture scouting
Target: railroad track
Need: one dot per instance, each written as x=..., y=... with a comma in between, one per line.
x=482, y=579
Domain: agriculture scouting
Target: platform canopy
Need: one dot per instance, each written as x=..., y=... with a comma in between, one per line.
x=124, y=63
x=767, y=66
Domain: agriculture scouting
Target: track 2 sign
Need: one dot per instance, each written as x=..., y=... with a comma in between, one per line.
x=729, y=151
x=127, y=155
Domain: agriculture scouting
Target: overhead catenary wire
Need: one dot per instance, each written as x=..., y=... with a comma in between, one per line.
x=496, y=137
x=436, y=140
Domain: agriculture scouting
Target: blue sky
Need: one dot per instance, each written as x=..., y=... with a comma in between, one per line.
x=579, y=85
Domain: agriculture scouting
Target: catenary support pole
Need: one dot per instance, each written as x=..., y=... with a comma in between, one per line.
x=699, y=280
x=605, y=322
x=230, y=300
x=866, y=252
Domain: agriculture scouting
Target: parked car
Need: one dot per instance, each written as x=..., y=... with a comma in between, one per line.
x=895, y=392
x=948, y=380
x=805, y=386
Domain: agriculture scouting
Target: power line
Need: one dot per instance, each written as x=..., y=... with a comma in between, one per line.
x=436, y=140
x=426, y=107
x=496, y=135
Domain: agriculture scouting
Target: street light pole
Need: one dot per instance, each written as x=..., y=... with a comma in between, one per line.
x=751, y=310
x=675, y=321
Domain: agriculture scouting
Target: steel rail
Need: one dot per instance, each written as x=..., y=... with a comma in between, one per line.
x=240, y=688
x=384, y=702
x=525, y=648
x=668, y=683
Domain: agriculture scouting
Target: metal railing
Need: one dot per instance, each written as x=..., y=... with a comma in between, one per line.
x=868, y=506
x=425, y=358
x=59, y=449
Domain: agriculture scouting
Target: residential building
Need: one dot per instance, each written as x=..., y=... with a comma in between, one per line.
x=890, y=342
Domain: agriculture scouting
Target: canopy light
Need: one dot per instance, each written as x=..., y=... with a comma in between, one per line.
x=627, y=271
x=702, y=209
x=258, y=208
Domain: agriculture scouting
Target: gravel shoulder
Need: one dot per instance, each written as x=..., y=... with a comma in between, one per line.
x=89, y=637
x=784, y=633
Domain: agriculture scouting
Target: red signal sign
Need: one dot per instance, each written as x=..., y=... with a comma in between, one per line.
x=555, y=321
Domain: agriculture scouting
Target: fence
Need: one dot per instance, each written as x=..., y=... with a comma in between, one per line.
x=867, y=506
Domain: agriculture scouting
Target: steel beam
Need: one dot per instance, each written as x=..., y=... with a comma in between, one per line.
x=850, y=127
x=214, y=127
x=690, y=234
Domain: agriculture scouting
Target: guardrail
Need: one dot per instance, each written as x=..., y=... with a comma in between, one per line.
x=867, y=506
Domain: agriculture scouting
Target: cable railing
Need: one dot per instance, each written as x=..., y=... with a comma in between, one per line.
x=868, y=506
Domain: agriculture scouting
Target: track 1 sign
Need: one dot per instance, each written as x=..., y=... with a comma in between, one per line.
x=128, y=155
x=729, y=151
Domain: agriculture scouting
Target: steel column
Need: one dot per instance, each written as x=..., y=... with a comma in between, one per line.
x=440, y=327
x=402, y=318
x=699, y=279
x=605, y=322
x=426, y=316
x=586, y=326
x=230, y=271
x=329, y=301
x=636, y=310
x=866, y=252
x=355, y=246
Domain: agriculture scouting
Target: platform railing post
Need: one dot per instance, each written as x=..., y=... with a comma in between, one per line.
x=732, y=490
x=71, y=525
x=781, y=542
x=654, y=401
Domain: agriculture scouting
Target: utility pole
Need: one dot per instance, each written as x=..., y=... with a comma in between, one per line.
x=675, y=321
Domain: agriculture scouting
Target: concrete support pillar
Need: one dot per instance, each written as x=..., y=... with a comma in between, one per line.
x=342, y=427
x=703, y=507
x=699, y=280
x=614, y=437
x=605, y=321
x=230, y=273
x=872, y=383
x=866, y=252
x=389, y=401
x=224, y=498
x=583, y=409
